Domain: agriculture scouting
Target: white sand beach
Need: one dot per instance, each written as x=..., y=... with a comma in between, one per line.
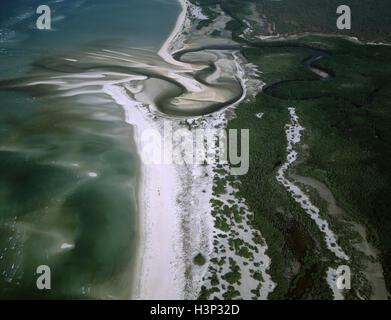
x=159, y=273
x=175, y=223
x=174, y=201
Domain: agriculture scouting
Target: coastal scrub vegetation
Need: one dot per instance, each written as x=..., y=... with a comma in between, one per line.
x=348, y=129
x=298, y=16
x=347, y=120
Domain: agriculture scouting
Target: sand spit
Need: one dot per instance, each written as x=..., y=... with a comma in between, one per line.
x=175, y=221
x=159, y=271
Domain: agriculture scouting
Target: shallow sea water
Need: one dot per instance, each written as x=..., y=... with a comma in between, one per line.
x=68, y=165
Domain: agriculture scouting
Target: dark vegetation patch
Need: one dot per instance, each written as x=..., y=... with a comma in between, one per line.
x=369, y=21
x=348, y=131
x=199, y=260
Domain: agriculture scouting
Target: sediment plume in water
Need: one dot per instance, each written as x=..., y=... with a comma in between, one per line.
x=78, y=115
x=204, y=82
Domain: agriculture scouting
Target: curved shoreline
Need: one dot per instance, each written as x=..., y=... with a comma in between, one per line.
x=187, y=227
x=138, y=80
x=174, y=215
x=164, y=51
x=146, y=283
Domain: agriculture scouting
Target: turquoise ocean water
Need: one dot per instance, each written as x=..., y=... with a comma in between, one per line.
x=68, y=167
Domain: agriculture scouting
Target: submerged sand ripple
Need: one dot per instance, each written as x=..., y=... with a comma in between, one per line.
x=203, y=81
